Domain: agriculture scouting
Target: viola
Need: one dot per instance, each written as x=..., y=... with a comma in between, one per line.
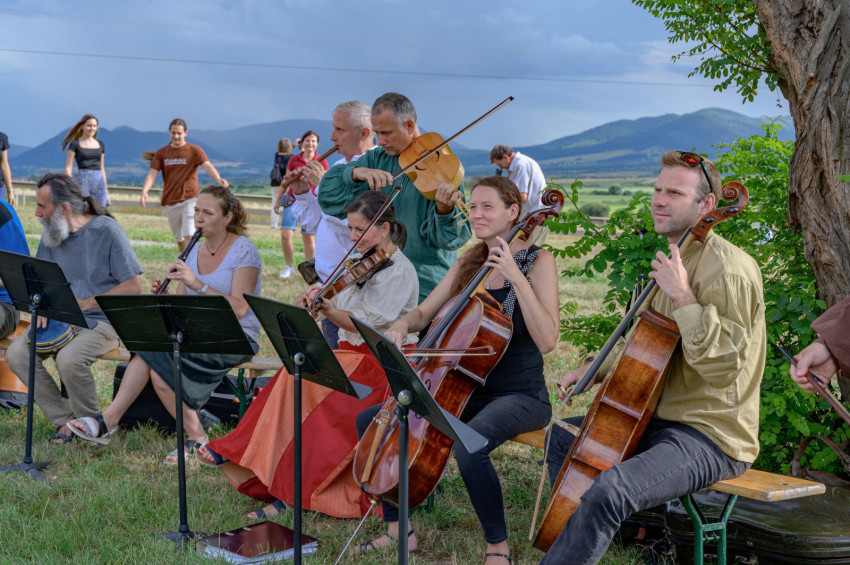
x=473, y=320
x=355, y=272
x=440, y=166
x=627, y=397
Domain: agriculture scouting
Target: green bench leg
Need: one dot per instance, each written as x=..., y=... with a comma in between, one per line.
x=242, y=391
x=705, y=531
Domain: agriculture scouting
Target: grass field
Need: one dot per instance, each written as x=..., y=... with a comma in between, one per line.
x=106, y=505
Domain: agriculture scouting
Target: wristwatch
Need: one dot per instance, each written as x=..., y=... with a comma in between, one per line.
x=204, y=289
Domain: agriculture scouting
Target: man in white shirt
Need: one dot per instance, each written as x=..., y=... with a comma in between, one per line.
x=352, y=134
x=527, y=176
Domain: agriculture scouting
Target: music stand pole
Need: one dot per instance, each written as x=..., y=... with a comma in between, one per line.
x=28, y=466
x=183, y=532
x=401, y=412
x=298, y=359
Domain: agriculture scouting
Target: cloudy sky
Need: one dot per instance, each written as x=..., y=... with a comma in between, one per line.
x=221, y=64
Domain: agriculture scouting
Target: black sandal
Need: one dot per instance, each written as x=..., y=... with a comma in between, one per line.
x=508, y=557
x=371, y=545
x=58, y=435
x=260, y=514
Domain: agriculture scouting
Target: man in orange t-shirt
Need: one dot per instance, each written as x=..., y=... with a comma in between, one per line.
x=179, y=162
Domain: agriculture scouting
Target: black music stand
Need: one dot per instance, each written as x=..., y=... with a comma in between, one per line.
x=181, y=324
x=412, y=395
x=40, y=288
x=304, y=351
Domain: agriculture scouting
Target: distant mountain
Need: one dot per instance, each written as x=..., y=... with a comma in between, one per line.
x=15, y=150
x=633, y=147
x=622, y=147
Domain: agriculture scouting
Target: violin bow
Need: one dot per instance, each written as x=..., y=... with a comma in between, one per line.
x=819, y=387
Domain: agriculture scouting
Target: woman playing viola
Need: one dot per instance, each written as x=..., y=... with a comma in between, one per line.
x=257, y=457
x=514, y=399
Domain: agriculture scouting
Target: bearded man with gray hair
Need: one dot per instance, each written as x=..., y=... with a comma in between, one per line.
x=95, y=255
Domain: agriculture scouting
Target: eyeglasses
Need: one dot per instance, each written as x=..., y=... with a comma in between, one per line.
x=692, y=160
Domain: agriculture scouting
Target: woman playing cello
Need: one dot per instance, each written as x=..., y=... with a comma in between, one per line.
x=514, y=399
x=257, y=457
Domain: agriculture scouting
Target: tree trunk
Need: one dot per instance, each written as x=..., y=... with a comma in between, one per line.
x=810, y=45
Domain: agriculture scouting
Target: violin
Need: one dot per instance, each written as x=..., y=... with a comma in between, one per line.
x=441, y=166
x=627, y=397
x=356, y=272
x=472, y=321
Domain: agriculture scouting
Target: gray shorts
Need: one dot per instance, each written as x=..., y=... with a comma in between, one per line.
x=181, y=218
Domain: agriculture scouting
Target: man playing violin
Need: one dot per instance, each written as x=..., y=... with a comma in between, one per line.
x=97, y=258
x=435, y=233
x=705, y=426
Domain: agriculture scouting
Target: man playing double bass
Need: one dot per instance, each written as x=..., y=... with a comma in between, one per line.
x=705, y=426
x=435, y=235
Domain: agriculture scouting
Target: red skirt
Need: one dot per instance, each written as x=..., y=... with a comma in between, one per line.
x=260, y=451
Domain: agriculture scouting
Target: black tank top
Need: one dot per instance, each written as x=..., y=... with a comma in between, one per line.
x=521, y=368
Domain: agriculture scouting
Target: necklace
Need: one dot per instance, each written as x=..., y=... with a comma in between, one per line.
x=207, y=244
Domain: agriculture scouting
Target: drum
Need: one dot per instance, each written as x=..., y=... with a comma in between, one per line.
x=53, y=337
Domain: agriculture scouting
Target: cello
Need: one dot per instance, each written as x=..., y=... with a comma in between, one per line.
x=473, y=320
x=627, y=397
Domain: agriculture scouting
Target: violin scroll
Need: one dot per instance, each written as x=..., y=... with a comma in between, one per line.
x=553, y=200
x=733, y=191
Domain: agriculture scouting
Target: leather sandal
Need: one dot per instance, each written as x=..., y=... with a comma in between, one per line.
x=95, y=429
x=508, y=557
x=261, y=514
x=372, y=546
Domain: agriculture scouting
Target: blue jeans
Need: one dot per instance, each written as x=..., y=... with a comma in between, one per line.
x=497, y=418
x=672, y=460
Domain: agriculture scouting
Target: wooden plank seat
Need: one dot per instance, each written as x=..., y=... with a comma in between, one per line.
x=753, y=484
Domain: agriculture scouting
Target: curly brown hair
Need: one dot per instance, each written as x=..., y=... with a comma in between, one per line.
x=229, y=205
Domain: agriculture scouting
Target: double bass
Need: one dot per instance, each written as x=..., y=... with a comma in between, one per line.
x=473, y=320
x=627, y=397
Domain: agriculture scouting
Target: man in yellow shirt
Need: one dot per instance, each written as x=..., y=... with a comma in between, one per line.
x=705, y=427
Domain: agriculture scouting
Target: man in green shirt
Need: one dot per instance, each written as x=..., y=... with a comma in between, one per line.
x=434, y=235
x=705, y=427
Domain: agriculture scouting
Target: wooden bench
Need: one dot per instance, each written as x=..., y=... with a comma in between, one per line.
x=754, y=484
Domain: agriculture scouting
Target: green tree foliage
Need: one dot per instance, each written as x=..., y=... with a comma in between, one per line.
x=623, y=249
x=597, y=209
x=615, y=190
x=726, y=36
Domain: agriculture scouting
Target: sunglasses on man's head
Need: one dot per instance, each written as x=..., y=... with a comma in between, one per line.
x=692, y=160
